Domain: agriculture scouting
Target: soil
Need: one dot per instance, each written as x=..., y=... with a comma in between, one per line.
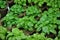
x=3, y=12
x=0, y=23
x=9, y=28
x=10, y=3
x=51, y=35
x=44, y=7
x=22, y=15
x=29, y=32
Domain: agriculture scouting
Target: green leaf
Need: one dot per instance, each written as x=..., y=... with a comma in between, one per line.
x=2, y=4
x=59, y=34
x=17, y=9
x=59, y=26
x=45, y=29
x=29, y=1
x=58, y=22
x=33, y=11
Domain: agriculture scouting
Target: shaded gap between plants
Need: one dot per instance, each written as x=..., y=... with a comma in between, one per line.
x=37, y=18
x=3, y=12
x=29, y=4
x=50, y=35
x=26, y=32
x=45, y=7
x=58, y=18
x=22, y=15
x=57, y=30
x=0, y=39
x=10, y=3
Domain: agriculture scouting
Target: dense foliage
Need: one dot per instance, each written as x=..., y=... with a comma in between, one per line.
x=17, y=34
x=39, y=16
x=2, y=4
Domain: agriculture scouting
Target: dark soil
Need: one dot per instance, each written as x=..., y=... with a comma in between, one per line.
x=9, y=28
x=10, y=3
x=0, y=23
x=44, y=7
x=51, y=35
x=3, y=12
x=29, y=32
x=22, y=15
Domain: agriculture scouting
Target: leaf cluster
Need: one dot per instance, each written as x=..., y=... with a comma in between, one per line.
x=2, y=4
